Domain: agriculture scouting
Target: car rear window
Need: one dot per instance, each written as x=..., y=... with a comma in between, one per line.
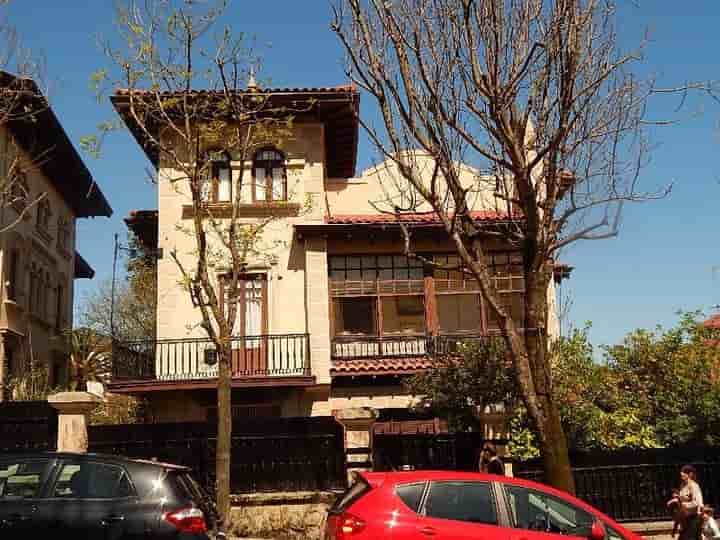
x=358, y=488
x=411, y=494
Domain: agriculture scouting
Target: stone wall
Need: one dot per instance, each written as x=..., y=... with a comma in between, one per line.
x=280, y=516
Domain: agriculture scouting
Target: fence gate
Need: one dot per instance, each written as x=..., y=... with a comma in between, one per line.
x=27, y=425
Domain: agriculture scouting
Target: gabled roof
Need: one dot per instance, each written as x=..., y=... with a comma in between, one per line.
x=40, y=134
x=337, y=107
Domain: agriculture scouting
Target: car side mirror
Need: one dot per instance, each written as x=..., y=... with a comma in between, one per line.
x=597, y=531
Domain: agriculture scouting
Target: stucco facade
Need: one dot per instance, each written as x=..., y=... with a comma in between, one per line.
x=345, y=313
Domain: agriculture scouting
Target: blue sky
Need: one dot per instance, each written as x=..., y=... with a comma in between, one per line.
x=663, y=259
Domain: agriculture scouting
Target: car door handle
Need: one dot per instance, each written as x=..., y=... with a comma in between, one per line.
x=17, y=517
x=428, y=531
x=114, y=518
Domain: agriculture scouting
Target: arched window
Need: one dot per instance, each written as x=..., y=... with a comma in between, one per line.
x=269, y=177
x=217, y=178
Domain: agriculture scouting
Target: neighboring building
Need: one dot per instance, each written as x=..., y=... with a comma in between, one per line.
x=339, y=315
x=38, y=257
x=713, y=322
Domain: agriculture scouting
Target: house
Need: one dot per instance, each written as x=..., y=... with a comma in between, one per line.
x=47, y=187
x=339, y=315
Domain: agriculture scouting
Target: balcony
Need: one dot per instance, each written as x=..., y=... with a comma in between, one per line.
x=267, y=360
x=400, y=346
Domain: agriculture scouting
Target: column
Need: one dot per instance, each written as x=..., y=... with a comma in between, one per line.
x=73, y=410
x=358, y=423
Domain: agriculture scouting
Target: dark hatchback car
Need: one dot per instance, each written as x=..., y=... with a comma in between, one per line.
x=99, y=497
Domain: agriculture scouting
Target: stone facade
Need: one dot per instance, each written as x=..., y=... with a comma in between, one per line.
x=281, y=516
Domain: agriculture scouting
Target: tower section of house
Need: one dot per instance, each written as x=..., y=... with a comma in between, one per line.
x=334, y=314
x=47, y=188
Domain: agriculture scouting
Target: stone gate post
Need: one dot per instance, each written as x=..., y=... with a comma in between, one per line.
x=73, y=410
x=358, y=423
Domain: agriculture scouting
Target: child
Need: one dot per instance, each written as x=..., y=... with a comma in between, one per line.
x=678, y=512
x=710, y=528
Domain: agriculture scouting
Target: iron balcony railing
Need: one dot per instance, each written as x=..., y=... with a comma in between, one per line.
x=358, y=347
x=196, y=358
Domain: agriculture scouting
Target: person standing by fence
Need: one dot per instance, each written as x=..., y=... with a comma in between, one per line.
x=691, y=501
x=490, y=462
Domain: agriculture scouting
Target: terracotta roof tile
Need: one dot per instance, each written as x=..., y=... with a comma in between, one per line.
x=416, y=218
x=286, y=90
x=713, y=322
x=380, y=366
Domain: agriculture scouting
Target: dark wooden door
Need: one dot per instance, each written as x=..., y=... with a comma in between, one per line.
x=250, y=348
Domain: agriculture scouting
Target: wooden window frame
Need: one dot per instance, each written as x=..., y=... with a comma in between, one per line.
x=241, y=298
x=268, y=166
x=215, y=165
x=498, y=261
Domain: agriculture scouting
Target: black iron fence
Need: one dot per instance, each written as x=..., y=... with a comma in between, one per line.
x=270, y=454
x=188, y=359
x=636, y=486
x=27, y=425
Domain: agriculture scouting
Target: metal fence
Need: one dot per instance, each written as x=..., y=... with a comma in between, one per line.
x=27, y=425
x=637, y=492
x=196, y=358
x=270, y=454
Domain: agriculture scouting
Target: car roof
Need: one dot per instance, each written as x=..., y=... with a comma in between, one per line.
x=112, y=458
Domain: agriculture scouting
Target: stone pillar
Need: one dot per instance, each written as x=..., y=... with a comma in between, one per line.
x=318, y=306
x=73, y=409
x=358, y=423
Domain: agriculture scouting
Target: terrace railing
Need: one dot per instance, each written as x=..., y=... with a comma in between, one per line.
x=197, y=358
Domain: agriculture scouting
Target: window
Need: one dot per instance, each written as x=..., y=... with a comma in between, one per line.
x=59, y=308
x=536, y=511
x=355, y=315
x=514, y=303
x=12, y=273
x=42, y=220
x=63, y=234
x=375, y=267
x=461, y=501
x=458, y=313
x=403, y=315
x=92, y=481
x=269, y=176
x=21, y=479
x=411, y=494
x=217, y=181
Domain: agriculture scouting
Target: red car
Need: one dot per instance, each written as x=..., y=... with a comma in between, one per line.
x=447, y=505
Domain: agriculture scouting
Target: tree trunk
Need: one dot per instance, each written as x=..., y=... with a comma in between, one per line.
x=554, y=451
x=553, y=443
x=224, y=438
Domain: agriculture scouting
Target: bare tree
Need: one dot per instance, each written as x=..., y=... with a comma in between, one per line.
x=185, y=87
x=535, y=93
